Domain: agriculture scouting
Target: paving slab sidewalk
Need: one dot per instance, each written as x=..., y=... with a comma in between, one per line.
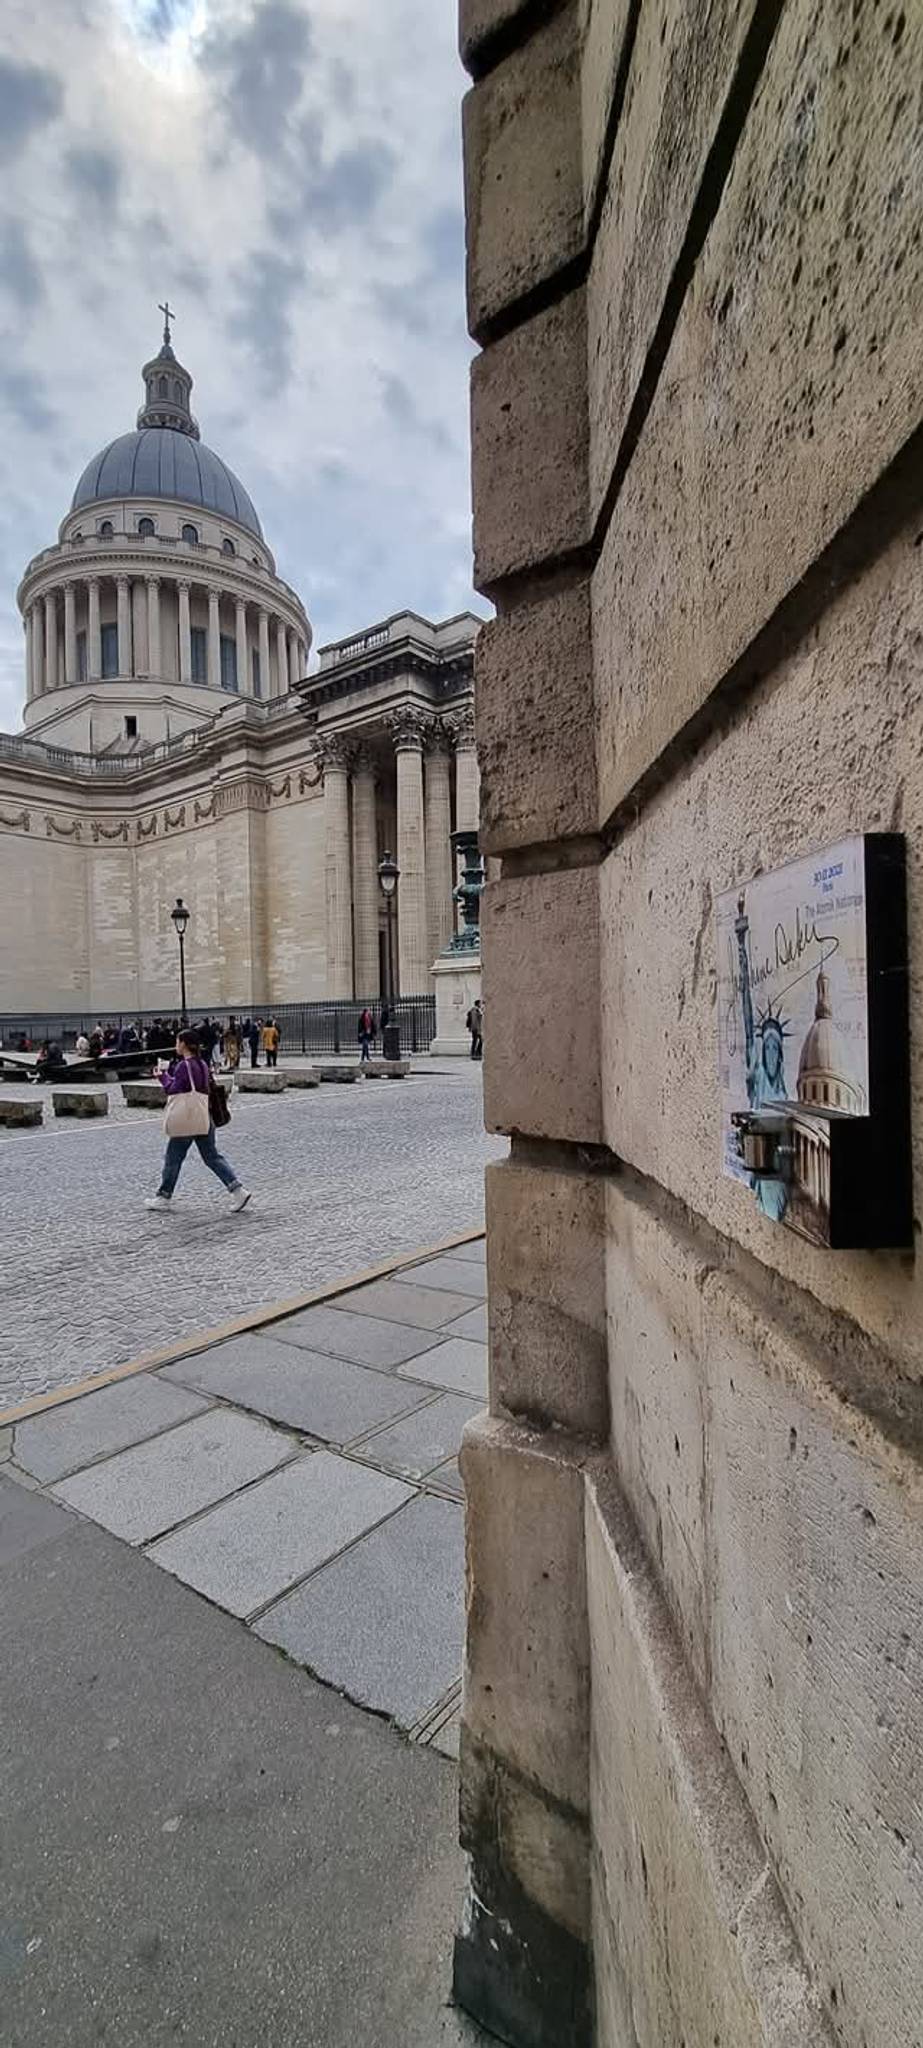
x=205, y=1842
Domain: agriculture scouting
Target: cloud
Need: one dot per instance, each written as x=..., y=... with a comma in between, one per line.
x=20, y=274
x=29, y=98
x=22, y=398
x=267, y=285
x=259, y=68
x=96, y=175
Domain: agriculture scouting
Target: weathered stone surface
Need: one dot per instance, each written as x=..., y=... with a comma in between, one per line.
x=794, y=377
x=76, y=1434
x=301, y=1077
x=143, y=1095
x=536, y=742
x=80, y=1101
x=21, y=1112
x=478, y=20
x=721, y=822
x=143, y=1491
x=699, y=1927
x=522, y=169
x=389, y=1070
x=527, y=1668
x=336, y=1073
x=682, y=64
x=540, y=938
x=547, y=1296
x=261, y=1080
x=603, y=26
x=529, y=443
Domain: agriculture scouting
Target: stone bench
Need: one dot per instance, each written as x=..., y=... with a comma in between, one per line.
x=261, y=1080
x=28, y=1113
x=338, y=1073
x=143, y=1094
x=391, y=1070
x=80, y=1101
x=302, y=1077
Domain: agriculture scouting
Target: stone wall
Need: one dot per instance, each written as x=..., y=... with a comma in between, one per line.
x=692, y=1751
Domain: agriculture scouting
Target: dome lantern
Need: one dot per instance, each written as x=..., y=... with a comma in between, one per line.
x=167, y=387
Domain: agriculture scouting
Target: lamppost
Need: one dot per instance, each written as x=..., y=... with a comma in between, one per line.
x=389, y=875
x=180, y=916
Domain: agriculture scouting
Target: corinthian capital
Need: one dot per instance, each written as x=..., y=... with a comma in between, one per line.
x=332, y=751
x=409, y=727
x=460, y=724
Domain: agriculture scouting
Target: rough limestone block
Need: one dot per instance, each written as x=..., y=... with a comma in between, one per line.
x=536, y=743
x=143, y=1095
x=19, y=1112
x=696, y=1921
x=540, y=954
x=547, y=1296
x=795, y=375
x=480, y=20
x=529, y=443
x=389, y=1070
x=80, y=1102
x=603, y=26
x=682, y=64
x=817, y=1623
x=526, y=1668
x=522, y=170
x=659, y=1401
x=262, y=1080
x=328, y=1073
x=721, y=822
x=302, y=1077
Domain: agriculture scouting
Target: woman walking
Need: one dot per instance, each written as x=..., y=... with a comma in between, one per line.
x=188, y=1086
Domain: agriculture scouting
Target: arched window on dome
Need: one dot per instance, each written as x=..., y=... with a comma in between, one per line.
x=163, y=387
x=191, y=533
x=106, y=529
x=227, y=546
x=146, y=528
x=177, y=391
x=77, y=536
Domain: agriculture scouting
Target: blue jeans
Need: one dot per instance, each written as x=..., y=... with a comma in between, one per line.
x=176, y=1151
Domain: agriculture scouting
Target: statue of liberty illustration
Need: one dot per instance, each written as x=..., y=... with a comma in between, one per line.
x=764, y=1042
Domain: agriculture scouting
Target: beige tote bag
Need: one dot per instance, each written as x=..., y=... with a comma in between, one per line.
x=188, y=1115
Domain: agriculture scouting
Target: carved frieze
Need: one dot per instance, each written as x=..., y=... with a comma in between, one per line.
x=118, y=830
x=174, y=821
x=19, y=822
x=146, y=828
x=56, y=828
x=203, y=808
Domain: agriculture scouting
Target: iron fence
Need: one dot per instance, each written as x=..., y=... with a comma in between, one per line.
x=304, y=1027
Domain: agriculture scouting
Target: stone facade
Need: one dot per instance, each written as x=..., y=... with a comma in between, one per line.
x=175, y=745
x=692, y=1751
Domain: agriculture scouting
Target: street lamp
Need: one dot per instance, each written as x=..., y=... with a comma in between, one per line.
x=389, y=875
x=180, y=916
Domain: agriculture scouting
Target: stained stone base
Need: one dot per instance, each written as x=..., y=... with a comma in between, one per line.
x=330, y=1073
x=20, y=1112
x=80, y=1102
x=457, y=977
x=261, y=1080
x=302, y=1077
x=143, y=1094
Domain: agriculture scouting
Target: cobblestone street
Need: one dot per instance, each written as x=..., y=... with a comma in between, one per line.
x=341, y=1178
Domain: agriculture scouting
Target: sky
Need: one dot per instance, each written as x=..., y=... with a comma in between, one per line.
x=288, y=174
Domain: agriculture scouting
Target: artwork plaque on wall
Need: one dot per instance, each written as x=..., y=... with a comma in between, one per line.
x=813, y=1042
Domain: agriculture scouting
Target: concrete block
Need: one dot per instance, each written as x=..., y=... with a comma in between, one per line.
x=325, y=1397
x=261, y=1080
x=419, y=1308
x=698, y=1927
x=422, y=1440
x=363, y=1340
x=20, y=1113
x=816, y=1599
x=527, y=1667
x=456, y=1274
x=603, y=27
x=96, y=1425
x=473, y=1324
x=144, y=1491
x=400, y=1594
x=724, y=820
x=143, y=1095
x=547, y=1296
x=536, y=743
x=793, y=378
x=300, y=1077
x=540, y=937
x=457, y=1365
x=80, y=1101
x=523, y=191
x=682, y=65
x=248, y=1550
x=658, y=1392
x=337, y=1073
x=529, y=443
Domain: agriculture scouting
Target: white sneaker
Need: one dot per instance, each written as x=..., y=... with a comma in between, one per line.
x=158, y=1202
x=240, y=1198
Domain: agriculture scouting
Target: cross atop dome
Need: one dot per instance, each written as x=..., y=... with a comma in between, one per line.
x=167, y=387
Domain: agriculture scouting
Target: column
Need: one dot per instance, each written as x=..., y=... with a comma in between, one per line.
x=263, y=627
x=409, y=729
x=51, y=640
x=29, y=623
x=94, y=636
x=334, y=760
x=123, y=598
x=281, y=658
x=365, y=875
x=153, y=626
x=293, y=670
x=439, y=863
x=185, y=635
x=214, y=642
x=467, y=773
x=243, y=666
x=70, y=633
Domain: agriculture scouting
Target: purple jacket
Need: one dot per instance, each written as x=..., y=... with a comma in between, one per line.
x=186, y=1077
